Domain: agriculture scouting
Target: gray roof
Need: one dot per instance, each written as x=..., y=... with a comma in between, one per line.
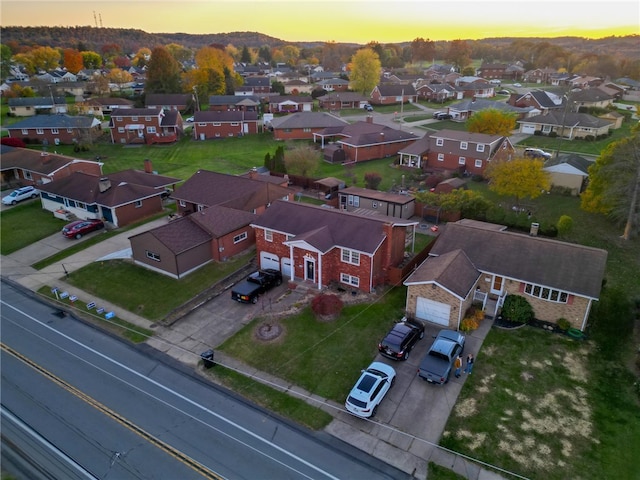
x=308, y=120
x=570, y=119
x=573, y=268
x=479, y=104
x=233, y=100
x=36, y=101
x=388, y=197
x=43, y=163
x=396, y=89
x=54, y=121
x=206, y=116
x=419, y=147
x=576, y=161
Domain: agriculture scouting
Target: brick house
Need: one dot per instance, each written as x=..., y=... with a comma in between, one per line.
x=55, y=129
x=224, y=103
x=120, y=198
x=321, y=246
x=212, y=124
x=215, y=214
x=145, y=125
x=23, y=166
x=393, y=94
x=478, y=261
x=258, y=86
x=492, y=71
x=466, y=152
x=303, y=125
x=438, y=92
x=170, y=101
x=289, y=103
x=540, y=100
x=338, y=101
x=567, y=125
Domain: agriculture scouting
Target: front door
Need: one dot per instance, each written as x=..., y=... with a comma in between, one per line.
x=310, y=270
x=497, y=285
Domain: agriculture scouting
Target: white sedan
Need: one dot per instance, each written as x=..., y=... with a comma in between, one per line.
x=370, y=389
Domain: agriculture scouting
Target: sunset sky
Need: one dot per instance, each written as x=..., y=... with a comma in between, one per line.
x=358, y=21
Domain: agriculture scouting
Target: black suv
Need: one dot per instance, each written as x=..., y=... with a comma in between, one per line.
x=401, y=339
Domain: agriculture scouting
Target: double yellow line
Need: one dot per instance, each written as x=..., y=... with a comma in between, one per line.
x=175, y=453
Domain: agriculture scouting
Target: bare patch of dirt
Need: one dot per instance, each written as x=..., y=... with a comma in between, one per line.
x=269, y=332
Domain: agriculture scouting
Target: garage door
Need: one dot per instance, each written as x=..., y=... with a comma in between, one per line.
x=432, y=311
x=269, y=260
x=530, y=129
x=286, y=267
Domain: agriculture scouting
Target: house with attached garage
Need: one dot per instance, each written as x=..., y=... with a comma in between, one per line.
x=481, y=262
x=393, y=94
x=119, y=198
x=289, y=103
x=55, y=129
x=215, y=211
x=566, y=125
x=321, y=246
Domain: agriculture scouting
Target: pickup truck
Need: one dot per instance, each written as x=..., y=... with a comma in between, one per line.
x=437, y=364
x=248, y=290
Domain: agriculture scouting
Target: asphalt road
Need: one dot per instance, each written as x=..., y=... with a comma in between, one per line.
x=109, y=410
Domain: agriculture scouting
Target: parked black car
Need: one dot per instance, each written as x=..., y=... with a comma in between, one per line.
x=401, y=339
x=248, y=290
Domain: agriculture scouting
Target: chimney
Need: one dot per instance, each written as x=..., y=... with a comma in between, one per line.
x=369, y=118
x=253, y=173
x=46, y=158
x=148, y=166
x=104, y=184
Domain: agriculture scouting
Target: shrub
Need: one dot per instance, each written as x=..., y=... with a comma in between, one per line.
x=326, y=305
x=372, y=180
x=13, y=142
x=517, y=309
x=472, y=319
x=563, y=324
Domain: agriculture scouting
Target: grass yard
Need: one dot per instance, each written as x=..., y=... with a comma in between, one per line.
x=25, y=224
x=147, y=293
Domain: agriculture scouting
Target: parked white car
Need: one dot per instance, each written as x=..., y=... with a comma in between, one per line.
x=20, y=194
x=370, y=389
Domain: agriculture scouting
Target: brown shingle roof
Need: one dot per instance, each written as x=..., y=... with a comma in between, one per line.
x=34, y=161
x=179, y=235
x=219, y=221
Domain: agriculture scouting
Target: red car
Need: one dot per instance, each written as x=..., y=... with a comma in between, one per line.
x=81, y=227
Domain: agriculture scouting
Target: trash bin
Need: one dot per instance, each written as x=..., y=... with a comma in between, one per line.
x=207, y=358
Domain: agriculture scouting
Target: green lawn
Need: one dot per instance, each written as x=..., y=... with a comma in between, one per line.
x=25, y=224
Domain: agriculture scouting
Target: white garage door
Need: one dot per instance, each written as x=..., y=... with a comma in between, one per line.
x=286, y=267
x=530, y=129
x=269, y=260
x=431, y=311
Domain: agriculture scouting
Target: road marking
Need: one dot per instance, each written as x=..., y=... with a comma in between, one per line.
x=174, y=452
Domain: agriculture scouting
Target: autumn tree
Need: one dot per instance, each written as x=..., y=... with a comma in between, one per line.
x=372, y=180
x=163, y=73
x=91, y=60
x=302, y=160
x=519, y=178
x=365, y=71
x=40, y=58
x=72, y=60
x=614, y=183
x=492, y=122
x=109, y=52
x=119, y=77
x=422, y=50
x=459, y=54
x=180, y=53
x=142, y=57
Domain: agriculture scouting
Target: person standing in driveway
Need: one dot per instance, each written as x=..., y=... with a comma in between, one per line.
x=469, y=366
x=458, y=365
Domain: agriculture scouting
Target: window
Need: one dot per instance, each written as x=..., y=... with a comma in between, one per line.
x=439, y=142
x=82, y=206
x=120, y=129
x=441, y=157
x=349, y=279
x=153, y=256
x=353, y=200
x=462, y=160
x=134, y=119
x=118, y=119
x=54, y=131
x=239, y=238
x=234, y=124
x=69, y=130
x=216, y=124
x=350, y=256
x=151, y=130
x=480, y=147
x=268, y=235
x=182, y=203
x=39, y=131
x=201, y=208
x=147, y=119
x=27, y=174
x=478, y=163
x=464, y=145
x=544, y=293
x=25, y=131
x=138, y=203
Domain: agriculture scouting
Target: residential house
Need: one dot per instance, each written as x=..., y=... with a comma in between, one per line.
x=569, y=171
x=537, y=101
x=119, y=198
x=492, y=71
x=57, y=76
x=367, y=202
x=224, y=103
x=55, y=129
x=465, y=152
x=215, y=213
x=289, y=103
x=392, y=94
x=333, y=85
x=101, y=106
x=24, y=166
x=539, y=75
x=170, y=101
x=478, y=261
x=338, y=101
x=303, y=125
x=30, y=106
x=145, y=125
x=475, y=87
x=254, y=85
x=415, y=154
x=218, y=124
x=566, y=124
x=463, y=110
x=584, y=81
x=590, y=98
x=438, y=73
x=438, y=92
x=322, y=246
x=297, y=87
x=362, y=141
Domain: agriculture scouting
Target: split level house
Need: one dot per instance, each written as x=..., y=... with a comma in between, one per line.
x=119, y=198
x=321, y=246
x=481, y=262
x=215, y=211
x=145, y=125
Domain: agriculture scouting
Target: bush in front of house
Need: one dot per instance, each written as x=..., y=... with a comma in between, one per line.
x=517, y=309
x=327, y=306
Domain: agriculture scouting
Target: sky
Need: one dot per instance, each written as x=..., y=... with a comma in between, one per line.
x=353, y=21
